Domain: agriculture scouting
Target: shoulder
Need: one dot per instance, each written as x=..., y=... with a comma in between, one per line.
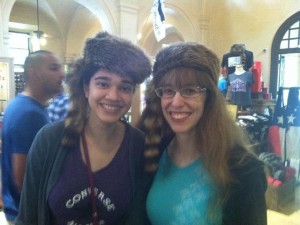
x=136, y=137
x=48, y=138
x=245, y=166
x=247, y=52
x=54, y=130
x=249, y=75
x=224, y=59
x=134, y=132
x=226, y=55
x=249, y=186
x=16, y=102
x=54, y=127
x=231, y=76
x=47, y=142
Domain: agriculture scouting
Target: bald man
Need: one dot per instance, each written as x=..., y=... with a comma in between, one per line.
x=23, y=118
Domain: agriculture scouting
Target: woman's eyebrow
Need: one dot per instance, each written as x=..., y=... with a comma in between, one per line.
x=126, y=81
x=102, y=78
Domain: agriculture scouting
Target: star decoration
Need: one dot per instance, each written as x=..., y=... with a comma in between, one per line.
x=291, y=118
x=280, y=119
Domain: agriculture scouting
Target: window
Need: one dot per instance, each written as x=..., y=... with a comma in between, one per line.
x=19, y=47
x=19, y=50
x=285, y=55
x=291, y=39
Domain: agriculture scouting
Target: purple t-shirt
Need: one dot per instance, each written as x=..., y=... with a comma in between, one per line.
x=241, y=88
x=70, y=199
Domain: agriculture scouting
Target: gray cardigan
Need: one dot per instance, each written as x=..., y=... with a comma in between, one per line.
x=44, y=162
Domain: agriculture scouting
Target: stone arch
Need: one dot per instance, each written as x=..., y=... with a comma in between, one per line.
x=276, y=51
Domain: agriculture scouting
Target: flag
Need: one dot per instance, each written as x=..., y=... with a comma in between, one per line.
x=293, y=128
x=276, y=137
x=161, y=11
x=158, y=19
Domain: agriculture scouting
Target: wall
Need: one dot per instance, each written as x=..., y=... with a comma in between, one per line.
x=26, y=14
x=253, y=23
x=215, y=23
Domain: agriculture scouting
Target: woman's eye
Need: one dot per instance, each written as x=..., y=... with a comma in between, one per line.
x=102, y=84
x=189, y=91
x=55, y=68
x=168, y=91
x=126, y=88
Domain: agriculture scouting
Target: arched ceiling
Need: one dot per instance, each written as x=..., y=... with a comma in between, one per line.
x=65, y=21
x=71, y=21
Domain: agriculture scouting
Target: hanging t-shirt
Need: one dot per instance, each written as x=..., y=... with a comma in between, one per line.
x=70, y=198
x=241, y=88
x=182, y=195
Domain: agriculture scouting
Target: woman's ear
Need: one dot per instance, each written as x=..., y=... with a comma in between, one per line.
x=86, y=90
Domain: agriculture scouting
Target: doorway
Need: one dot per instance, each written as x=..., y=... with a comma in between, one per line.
x=285, y=58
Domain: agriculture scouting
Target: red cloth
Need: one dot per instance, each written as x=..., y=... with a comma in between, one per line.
x=274, y=140
x=272, y=181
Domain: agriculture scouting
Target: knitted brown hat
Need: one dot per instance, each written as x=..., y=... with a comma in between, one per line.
x=117, y=55
x=189, y=55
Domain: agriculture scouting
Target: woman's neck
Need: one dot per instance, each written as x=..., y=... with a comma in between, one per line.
x=239, y=70
x=183, y=150
x=104, y=134
x=102, y=143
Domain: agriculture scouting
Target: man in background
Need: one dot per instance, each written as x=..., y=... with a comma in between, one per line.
x=23, y=118
x=59, y=107
x=229, y=59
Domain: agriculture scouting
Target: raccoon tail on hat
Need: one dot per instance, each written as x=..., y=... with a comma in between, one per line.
x=151, y=123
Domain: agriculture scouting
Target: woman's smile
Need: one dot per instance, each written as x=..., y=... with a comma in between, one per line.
x=179, y=115
x=111, y=107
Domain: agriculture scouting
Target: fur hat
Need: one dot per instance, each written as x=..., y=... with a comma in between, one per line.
x=117, y=55
x=189, y=55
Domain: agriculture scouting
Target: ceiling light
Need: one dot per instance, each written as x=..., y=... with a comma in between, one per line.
x=38, y=37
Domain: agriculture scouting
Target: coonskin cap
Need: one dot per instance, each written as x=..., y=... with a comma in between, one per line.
x=187, y=54
x=117, y=55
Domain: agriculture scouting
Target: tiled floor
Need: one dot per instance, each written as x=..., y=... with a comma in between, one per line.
x=290, y=215
x=2, y=219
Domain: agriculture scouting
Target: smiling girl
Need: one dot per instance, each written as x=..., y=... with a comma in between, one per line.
x=87, y=168
x=203, y=172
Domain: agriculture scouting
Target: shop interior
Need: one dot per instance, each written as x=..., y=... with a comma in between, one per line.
x=268, y=29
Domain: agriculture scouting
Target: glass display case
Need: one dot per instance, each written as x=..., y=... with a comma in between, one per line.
x=7, y=81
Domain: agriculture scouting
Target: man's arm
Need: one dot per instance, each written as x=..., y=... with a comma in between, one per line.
x=18, y=167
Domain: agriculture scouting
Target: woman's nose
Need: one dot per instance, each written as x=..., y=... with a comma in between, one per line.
x=113, y=93
x=177, y=99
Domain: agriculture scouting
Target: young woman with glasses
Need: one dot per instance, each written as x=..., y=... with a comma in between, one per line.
x=203, y=173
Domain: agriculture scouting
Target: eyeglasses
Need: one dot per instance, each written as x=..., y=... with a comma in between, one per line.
x=186, y=92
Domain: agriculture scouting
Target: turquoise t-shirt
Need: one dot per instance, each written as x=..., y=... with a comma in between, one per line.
x=181, y=195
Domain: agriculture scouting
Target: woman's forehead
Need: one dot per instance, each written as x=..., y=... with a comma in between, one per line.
x=109, y=75
x=183, y=77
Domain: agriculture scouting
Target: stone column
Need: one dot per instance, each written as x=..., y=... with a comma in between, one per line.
x=5, y=10
x=204, y=30
x=128, y=30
